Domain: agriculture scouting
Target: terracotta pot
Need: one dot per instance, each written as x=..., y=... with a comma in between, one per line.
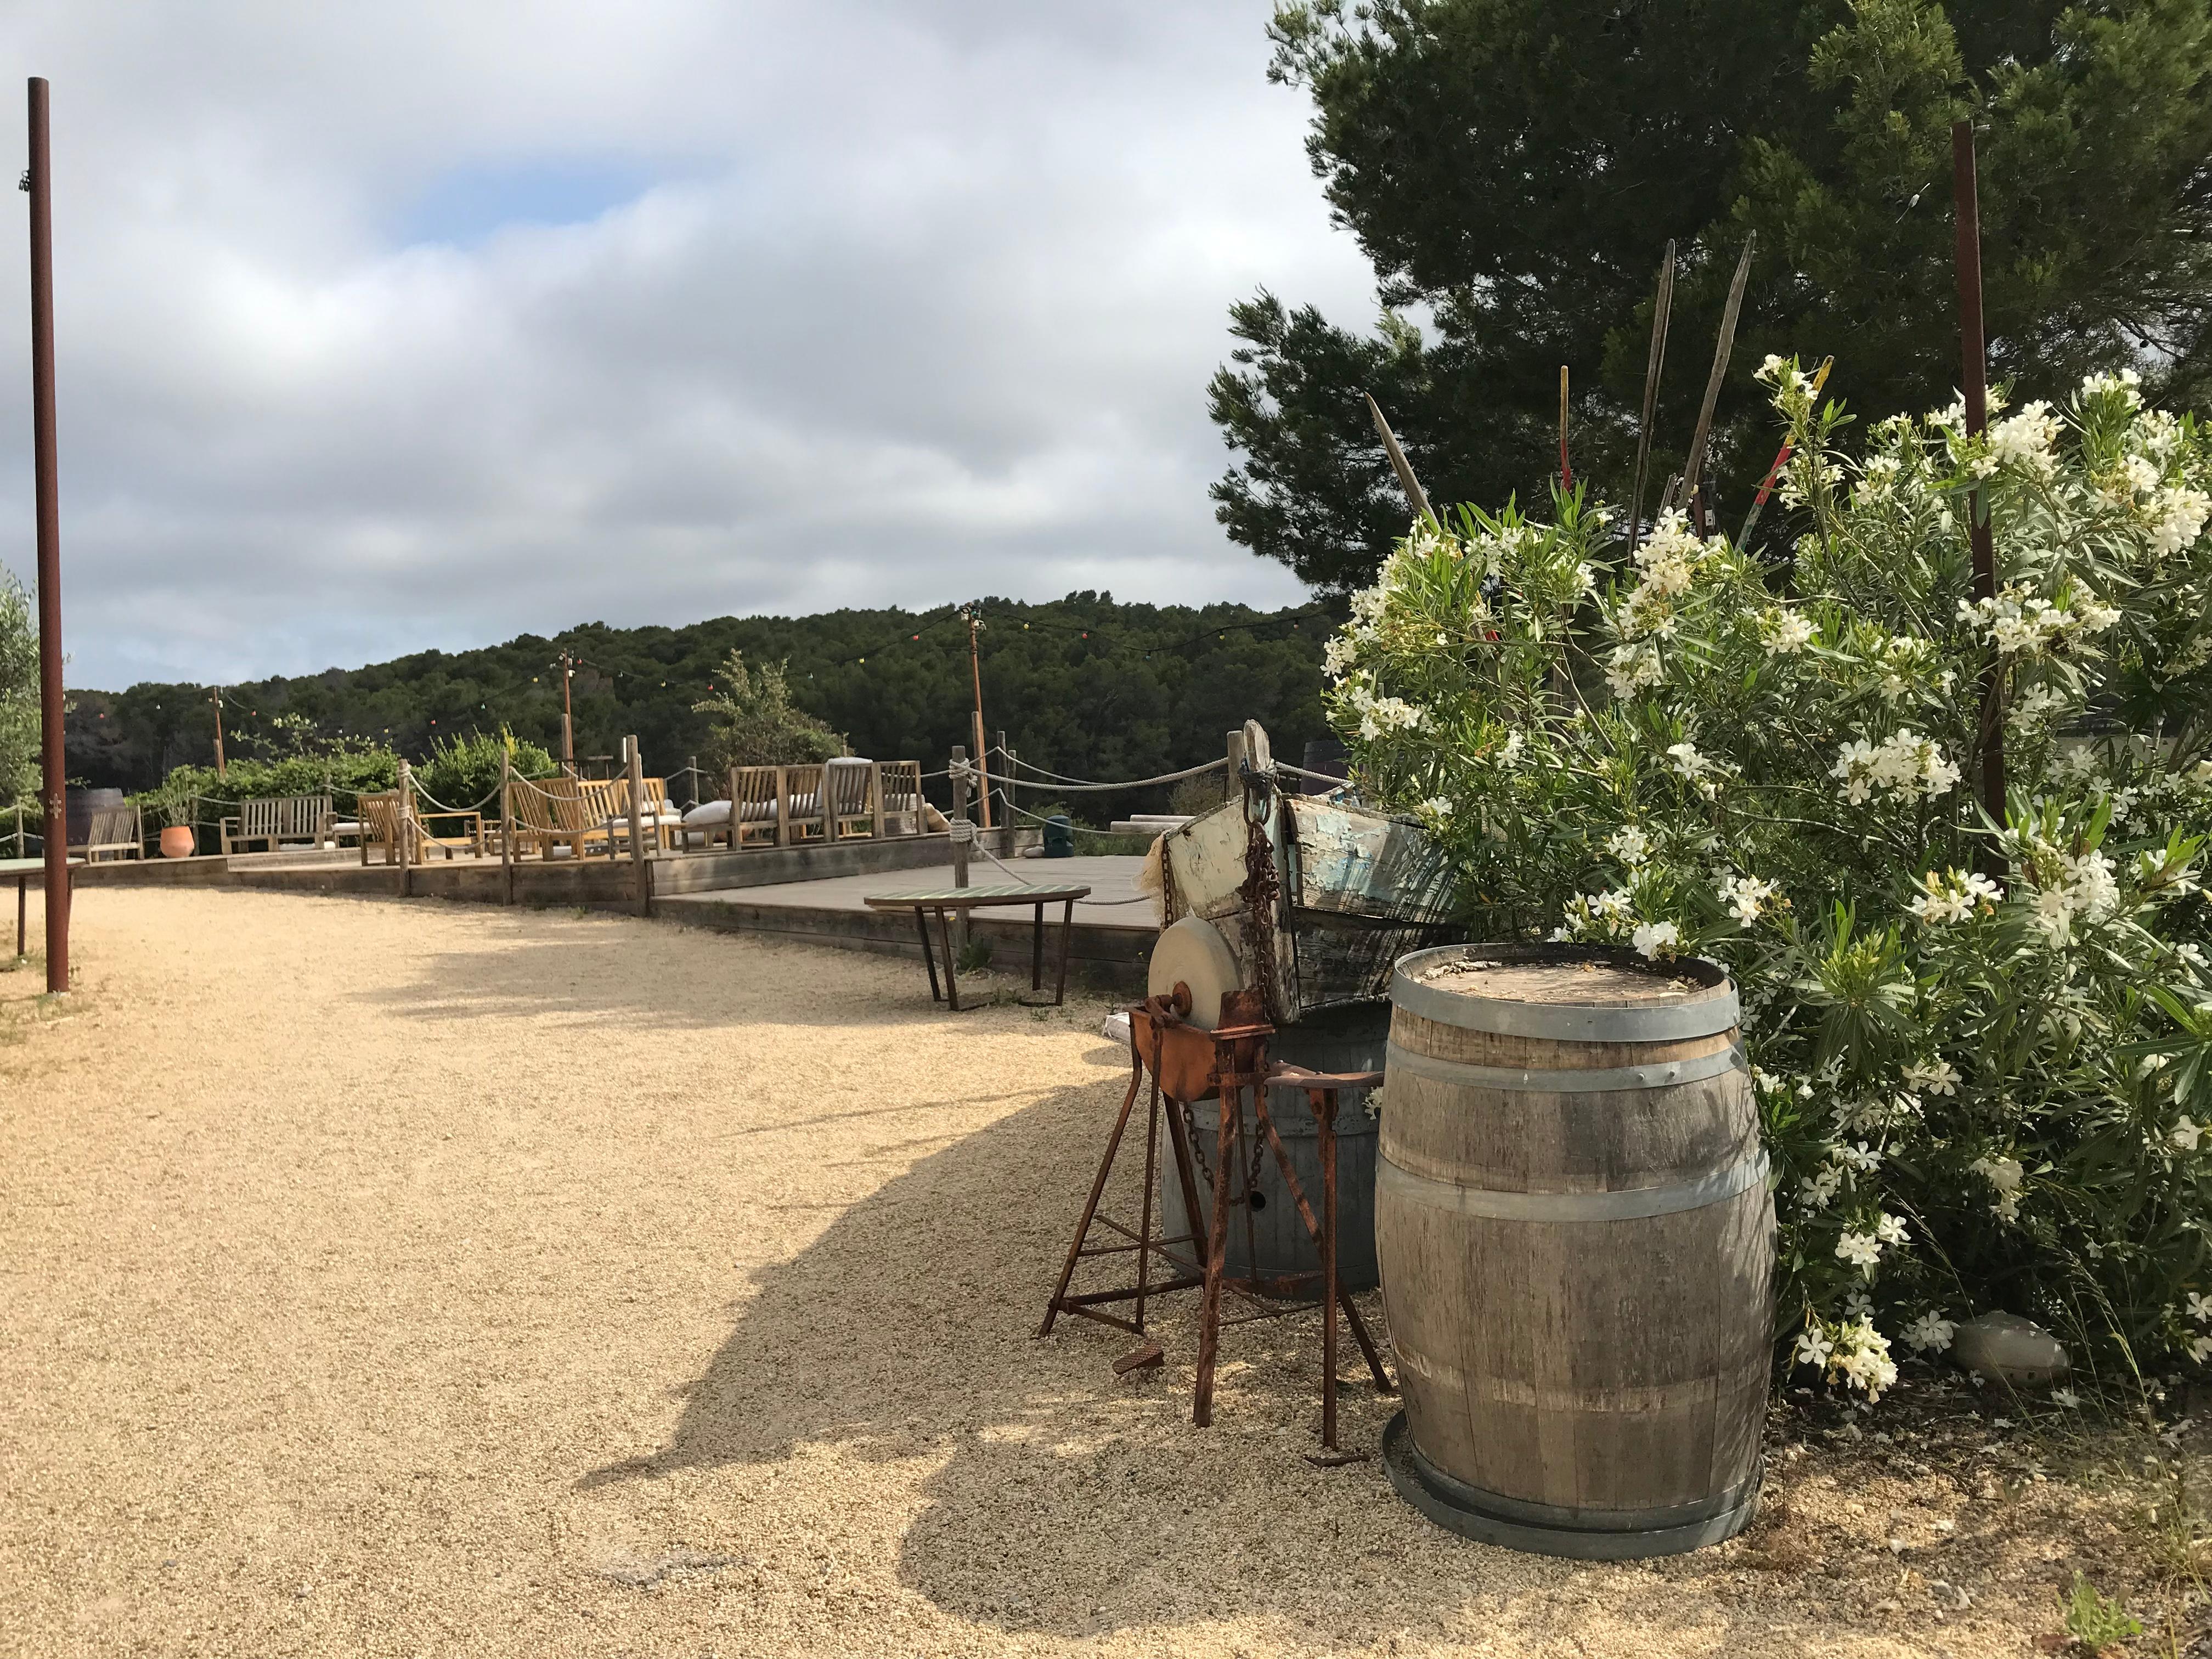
x=179, y=841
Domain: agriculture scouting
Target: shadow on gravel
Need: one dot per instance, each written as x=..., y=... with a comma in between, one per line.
x=1067, y=1502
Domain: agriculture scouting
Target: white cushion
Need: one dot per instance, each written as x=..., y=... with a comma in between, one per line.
x=713, y=812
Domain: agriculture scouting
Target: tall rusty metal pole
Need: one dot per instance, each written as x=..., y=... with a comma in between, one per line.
x=1974, y=386
x=38, y=179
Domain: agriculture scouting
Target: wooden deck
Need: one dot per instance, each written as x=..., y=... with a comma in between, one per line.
x=816, y=894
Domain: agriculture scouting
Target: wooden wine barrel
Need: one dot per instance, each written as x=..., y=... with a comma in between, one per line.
x=1576, y=1241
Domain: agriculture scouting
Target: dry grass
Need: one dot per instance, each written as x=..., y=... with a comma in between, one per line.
x=398, y=1277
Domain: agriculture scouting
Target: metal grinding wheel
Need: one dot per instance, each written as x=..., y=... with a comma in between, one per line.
x=1192, y=952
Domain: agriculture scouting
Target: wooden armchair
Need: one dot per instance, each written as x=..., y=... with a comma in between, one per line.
x=115, y=830
x=851, y=809
x=898, y=785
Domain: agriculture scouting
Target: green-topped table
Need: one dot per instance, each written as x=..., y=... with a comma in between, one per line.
x=23, y=870
x=946, y=900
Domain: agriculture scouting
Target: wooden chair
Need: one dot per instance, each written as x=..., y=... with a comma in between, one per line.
x=756, y=805
x=851, y=810
x=274, y=821
x=803, y=816
x=534, y=822
x=111, y=829
x=898, y=785
x=380, y=825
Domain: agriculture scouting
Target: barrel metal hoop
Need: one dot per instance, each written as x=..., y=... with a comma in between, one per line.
x=1472, y=1512
x=1629, y=1204
x=1517, y=1079
x=1563, y=1022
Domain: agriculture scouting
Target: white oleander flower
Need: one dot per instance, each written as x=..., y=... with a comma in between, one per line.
x=1934, y=1077
x=1930, y=1333
x=1861, y=1157
x=1817, y=1191
x=1890, y=1228
x=1861, y=1250
x=1786, y=633
x=2185, y=1135
x=1629, y=845
x=2005, y=1174
x=1953, y=896
x=2024, y=440
x=1746, y=897
x=1655, y=939
x=1905, y=763
x=1813, y=1348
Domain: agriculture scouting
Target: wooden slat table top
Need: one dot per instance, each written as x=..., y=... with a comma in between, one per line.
x=31, y=866
x=970, y=898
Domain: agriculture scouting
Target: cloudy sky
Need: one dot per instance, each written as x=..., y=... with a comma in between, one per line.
x=429, y=325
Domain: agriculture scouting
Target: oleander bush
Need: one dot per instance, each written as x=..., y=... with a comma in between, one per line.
x=462, y=774
x=1980, y=1048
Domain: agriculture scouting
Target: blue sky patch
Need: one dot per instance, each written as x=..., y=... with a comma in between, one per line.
x=467, y=204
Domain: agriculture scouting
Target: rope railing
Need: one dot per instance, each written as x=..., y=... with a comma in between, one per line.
x=1056, y=781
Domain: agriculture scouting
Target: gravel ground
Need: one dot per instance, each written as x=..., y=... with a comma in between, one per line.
x=402, y=1278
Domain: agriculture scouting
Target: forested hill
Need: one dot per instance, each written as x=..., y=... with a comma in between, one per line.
x=1084, y=685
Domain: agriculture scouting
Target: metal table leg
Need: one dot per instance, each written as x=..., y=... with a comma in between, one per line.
x=1036, y=948
x=23, y=886
x=1067, y=933
x=1323, y=1103
x=928, y=961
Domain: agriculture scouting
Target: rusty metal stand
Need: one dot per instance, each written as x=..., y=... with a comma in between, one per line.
x=1087, y=1305
x=1187, y=1065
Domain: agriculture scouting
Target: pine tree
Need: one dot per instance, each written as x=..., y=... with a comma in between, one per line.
x=1513, y=168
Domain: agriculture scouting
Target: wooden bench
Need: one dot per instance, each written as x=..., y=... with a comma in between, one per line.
x=115, y=830
x=278, y=820
x=561, y=811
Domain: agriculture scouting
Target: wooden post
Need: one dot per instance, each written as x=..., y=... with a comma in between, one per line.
x=691, y=777
x=1974, y=388
x=636, y=764
x=46, y=494
x=964, y=832
x=1007, y=785
x=782, y=806
x=1237, y=764
x=402, y=821
x=876, y=796
x=507, y=824
x=828, y=802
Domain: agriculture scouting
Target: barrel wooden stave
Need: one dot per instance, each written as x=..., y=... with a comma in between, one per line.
x=1606, y=1373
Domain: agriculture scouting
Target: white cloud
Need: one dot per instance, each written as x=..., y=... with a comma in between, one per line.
x=856, y=304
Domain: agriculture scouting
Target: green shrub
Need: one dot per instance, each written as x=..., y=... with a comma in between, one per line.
x=462, y=774
x=345, y=770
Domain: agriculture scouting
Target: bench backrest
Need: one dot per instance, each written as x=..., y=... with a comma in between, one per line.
x=297, y=815
x=111, y=827
x=851, y=788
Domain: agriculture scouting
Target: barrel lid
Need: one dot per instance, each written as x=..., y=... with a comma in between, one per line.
x=1567, y=993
